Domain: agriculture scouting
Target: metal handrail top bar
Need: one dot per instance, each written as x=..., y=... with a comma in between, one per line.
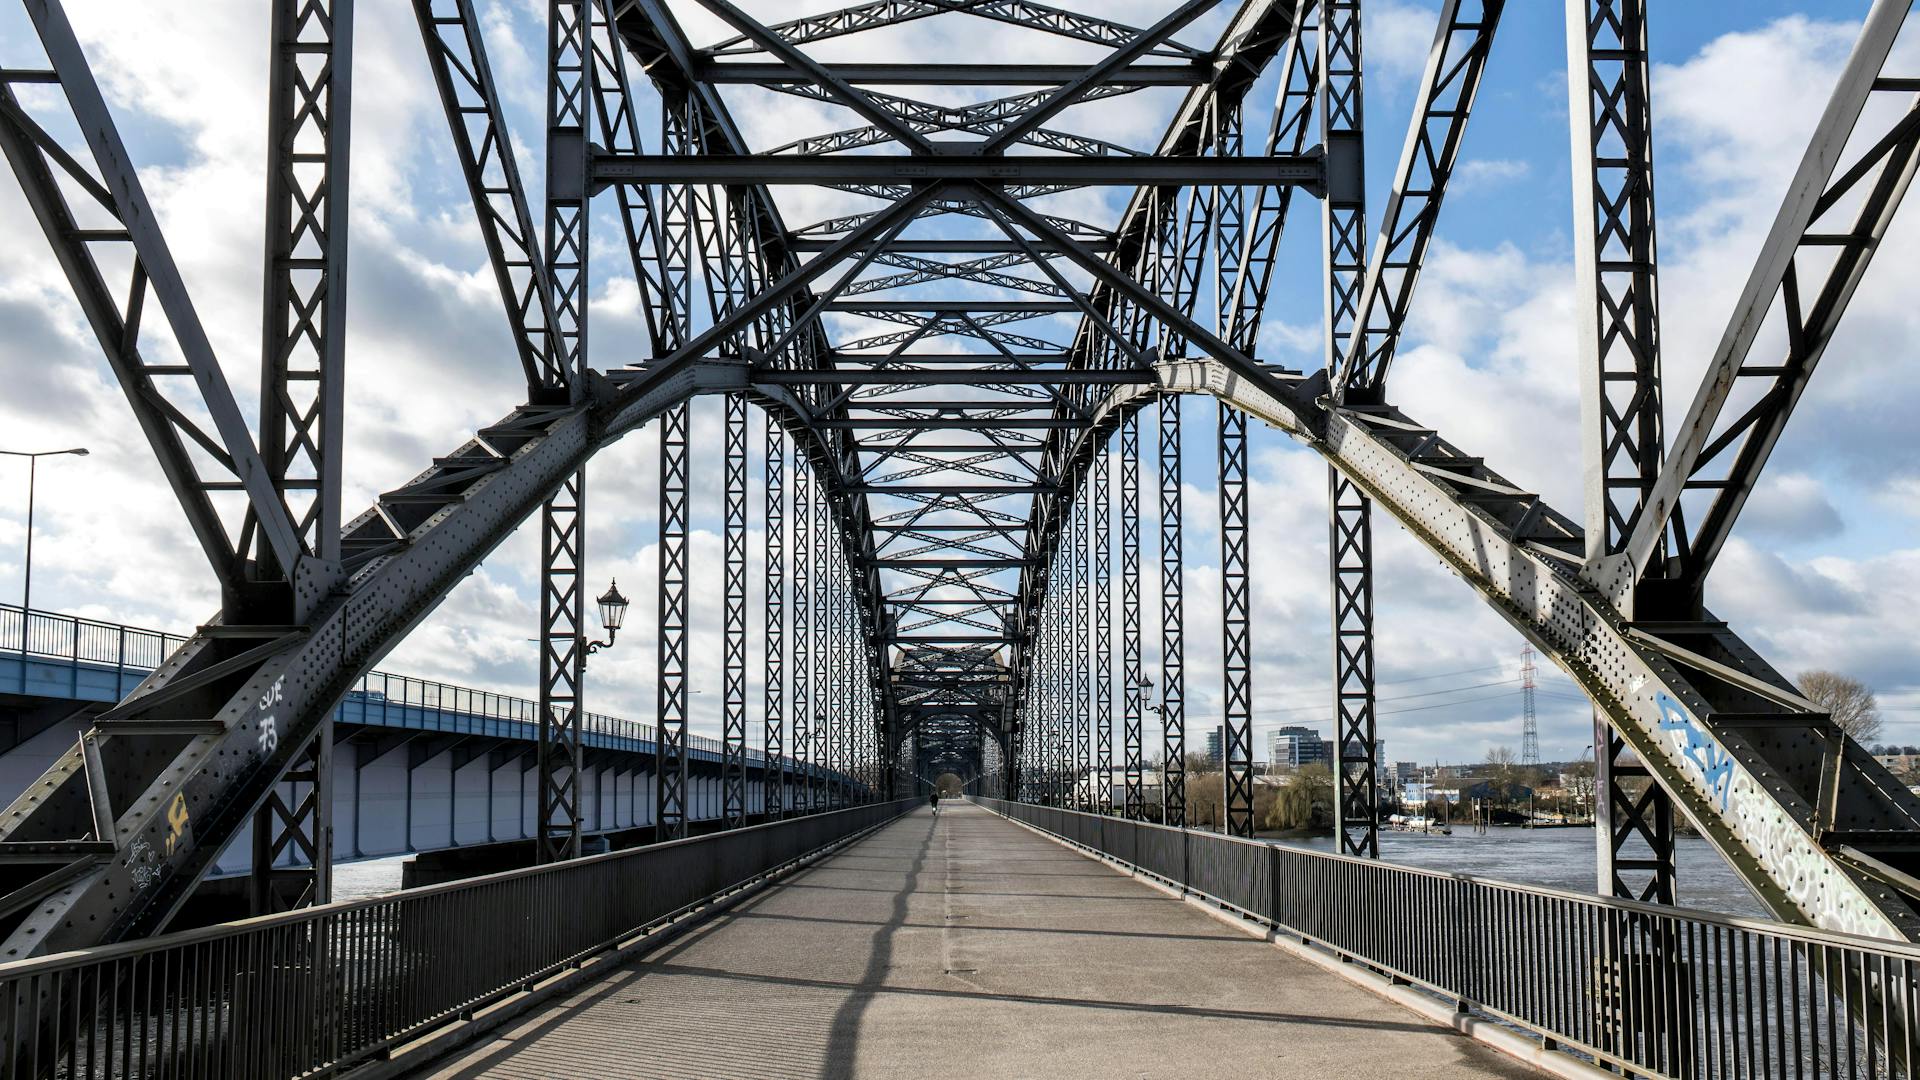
x=1807, y=934
x=40, y=965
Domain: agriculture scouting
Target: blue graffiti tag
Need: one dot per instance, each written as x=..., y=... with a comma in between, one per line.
x=1715, y=764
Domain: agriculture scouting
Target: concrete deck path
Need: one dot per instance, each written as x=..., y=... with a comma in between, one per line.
x=968, y=946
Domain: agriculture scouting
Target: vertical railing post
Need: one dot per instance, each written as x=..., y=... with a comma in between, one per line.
x=822, y=641
x=569, y=147
x=1082, y=649
x=1103, y=626
x=1350, y=539
x=802, y=631
x=1173, y=692
x=1133, y=693
x=1622, y=444
x=773, y=765
x=1236, y=625
x=671, y=662
x=1341, y=108
x=303, y=349
x=562, y=659
x=733, y=765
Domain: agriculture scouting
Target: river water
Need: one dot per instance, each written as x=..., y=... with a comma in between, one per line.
x=1557, y=858
x=1560, y=859
x=369, y=877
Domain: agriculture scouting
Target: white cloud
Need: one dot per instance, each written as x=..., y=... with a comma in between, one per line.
x=1481, y=173
x=1398, y=39
x=1489, y=358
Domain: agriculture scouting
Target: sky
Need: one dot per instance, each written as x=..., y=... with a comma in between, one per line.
x=1820, y=572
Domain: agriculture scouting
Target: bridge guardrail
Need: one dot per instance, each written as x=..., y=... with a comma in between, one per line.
x=322, y=989
x=1652, y=990
x=131, y=653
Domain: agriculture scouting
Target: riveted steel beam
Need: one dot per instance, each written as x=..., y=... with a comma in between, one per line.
x=1304, y=170
x=1716, y=727
x=1151, y=73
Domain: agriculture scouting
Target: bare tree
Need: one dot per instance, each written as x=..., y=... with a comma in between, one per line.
x=1848, y=700
x=1578, y=783
x=1502, y=765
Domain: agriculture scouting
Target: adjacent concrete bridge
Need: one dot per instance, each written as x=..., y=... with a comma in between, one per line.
x=420, y=765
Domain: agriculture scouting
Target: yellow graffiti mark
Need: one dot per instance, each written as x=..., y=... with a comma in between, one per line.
x=176, y=819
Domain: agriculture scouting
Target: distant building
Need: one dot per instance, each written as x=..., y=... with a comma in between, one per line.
x=1899, y=763
x=1213, y=747
x=1115, y=782
x=1295, y=745
x=1405, y=772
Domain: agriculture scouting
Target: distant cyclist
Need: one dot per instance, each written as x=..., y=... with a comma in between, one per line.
x=934, y=801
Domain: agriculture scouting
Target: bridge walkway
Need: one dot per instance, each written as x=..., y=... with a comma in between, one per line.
x=968, y=946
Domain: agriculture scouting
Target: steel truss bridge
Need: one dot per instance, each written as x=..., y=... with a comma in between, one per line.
x=952, y=497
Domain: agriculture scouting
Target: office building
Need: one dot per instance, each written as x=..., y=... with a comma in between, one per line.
x=1295, y=745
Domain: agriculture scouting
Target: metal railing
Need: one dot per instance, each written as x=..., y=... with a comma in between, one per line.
x=131, y=653
x=321, y=989
x=1650, y=990
x=43, y=635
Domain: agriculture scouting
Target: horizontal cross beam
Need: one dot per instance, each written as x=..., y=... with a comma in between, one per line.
x=950, y=376
x=761, y=74
x=1037, y=307
x=949, y=358
x=968, y=528
x=950, y=564
x=1027, y=447
x=991, y=491
x=936, y=246
x=1303, y=171
x=962, y=423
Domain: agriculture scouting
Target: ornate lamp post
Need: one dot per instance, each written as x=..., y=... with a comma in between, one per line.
x=613, y=612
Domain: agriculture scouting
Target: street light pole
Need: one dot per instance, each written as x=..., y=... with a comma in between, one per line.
x=33, y=476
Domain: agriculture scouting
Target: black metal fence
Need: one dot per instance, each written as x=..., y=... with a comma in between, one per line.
x=1654, y=991
x=318, y=990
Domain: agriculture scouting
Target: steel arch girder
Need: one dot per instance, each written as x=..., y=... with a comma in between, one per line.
x=192, y=767
x=1742, y=800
